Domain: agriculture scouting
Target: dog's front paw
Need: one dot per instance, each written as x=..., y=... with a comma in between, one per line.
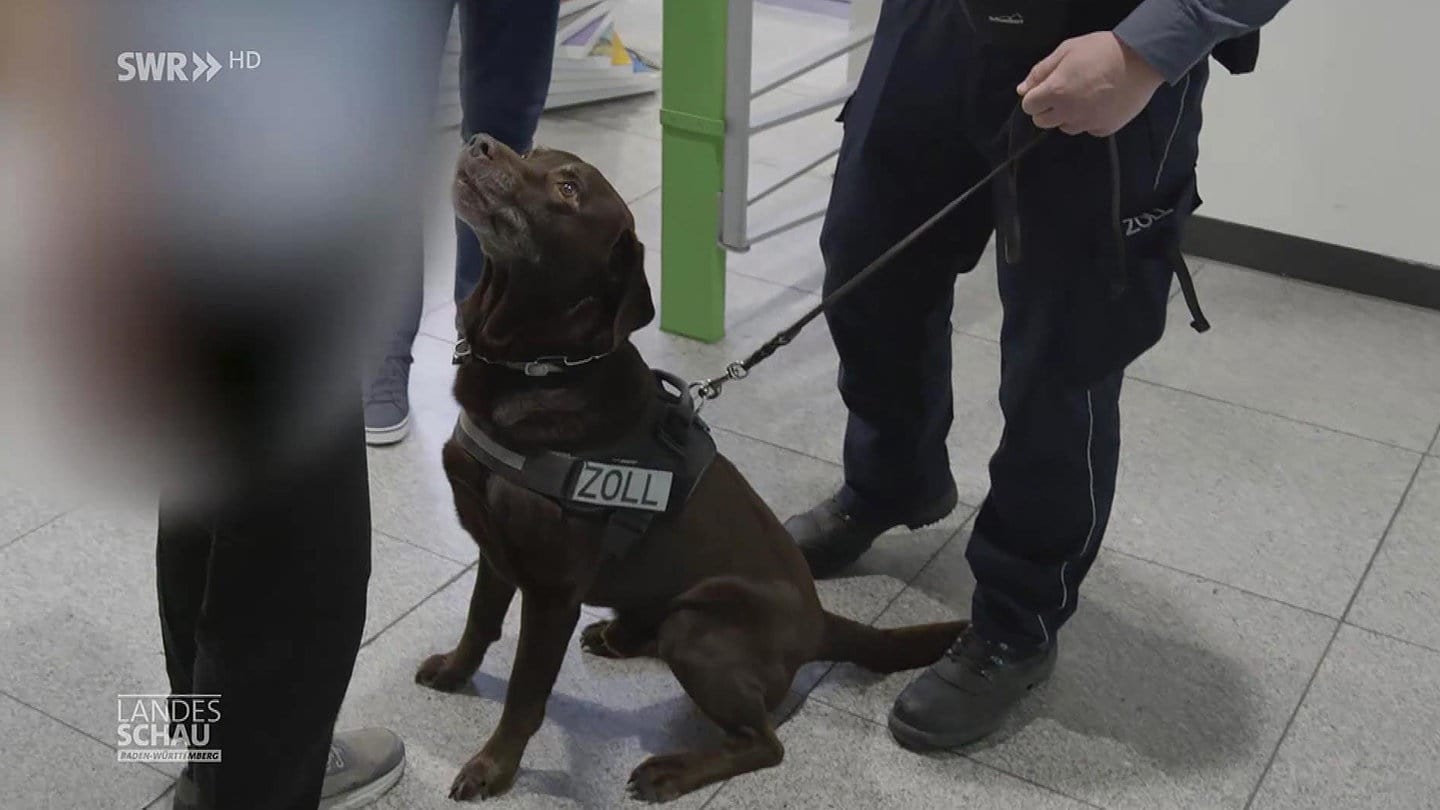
x=661, y=778
x=483, y=777
x=592, y=640
x=439, y=672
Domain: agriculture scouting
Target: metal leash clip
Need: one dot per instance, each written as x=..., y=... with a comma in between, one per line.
x=707, y=390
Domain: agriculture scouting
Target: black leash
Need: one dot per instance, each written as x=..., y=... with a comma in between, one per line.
x=711, y=388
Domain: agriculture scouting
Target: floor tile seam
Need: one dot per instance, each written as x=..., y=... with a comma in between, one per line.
x=776, y=445
x=713, y=796
x=157, y=798
x=960, y=332
x=1420, y=646
x=408, y=611
x=974, y=510
x=1023, y=778
x=952, y=754
x=773, y=444
x=1133, y=377
x=82, y=732
x=773, y=283
x=432, y=552
x=1380, y=544
x=635, y=200
x=1220, y=582
x=48, y=522
x=1290, y=721
x=971, y=512
x=447, y=342
x=575, y=116
x=1309, y=684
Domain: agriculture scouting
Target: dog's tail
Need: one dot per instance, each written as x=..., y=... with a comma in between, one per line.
x=886, y=650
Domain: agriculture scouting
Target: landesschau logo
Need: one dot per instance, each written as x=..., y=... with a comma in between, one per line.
x=167, y=728
x=178, y=66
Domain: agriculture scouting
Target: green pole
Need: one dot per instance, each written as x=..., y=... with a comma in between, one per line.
x=692, y=119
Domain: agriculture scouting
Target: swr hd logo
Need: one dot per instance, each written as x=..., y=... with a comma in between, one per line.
x=178, y=66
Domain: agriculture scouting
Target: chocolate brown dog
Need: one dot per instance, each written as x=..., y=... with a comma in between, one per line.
x=717, y=589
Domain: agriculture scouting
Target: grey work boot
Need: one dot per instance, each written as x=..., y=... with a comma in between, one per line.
x=363, y=765
x=387, y=401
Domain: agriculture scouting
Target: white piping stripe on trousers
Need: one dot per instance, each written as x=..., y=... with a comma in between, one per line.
x=1179, y=116
x=1094, y=512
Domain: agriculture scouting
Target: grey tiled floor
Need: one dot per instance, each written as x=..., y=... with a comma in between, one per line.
x=1259, y=630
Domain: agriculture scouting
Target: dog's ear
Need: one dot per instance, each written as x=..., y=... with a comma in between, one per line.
x=634, y=308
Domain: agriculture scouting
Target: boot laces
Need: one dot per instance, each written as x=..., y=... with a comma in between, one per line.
x=980, y=656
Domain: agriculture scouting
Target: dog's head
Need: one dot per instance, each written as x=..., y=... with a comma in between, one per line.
x=566, y=271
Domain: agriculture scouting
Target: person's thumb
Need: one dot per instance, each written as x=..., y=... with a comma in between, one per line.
x=1042, y=70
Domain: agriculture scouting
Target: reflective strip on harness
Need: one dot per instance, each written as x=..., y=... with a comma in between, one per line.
x=546, y=473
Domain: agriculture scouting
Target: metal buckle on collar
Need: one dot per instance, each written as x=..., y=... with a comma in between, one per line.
x=541, y=367
x=554, y=364
x=461, y=353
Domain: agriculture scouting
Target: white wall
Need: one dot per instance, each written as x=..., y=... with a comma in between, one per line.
x=1337, y=136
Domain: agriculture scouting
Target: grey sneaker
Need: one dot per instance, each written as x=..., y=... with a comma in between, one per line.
x=387, y=402
x=363, y=765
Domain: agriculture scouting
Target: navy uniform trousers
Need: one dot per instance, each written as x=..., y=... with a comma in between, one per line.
x=505, y=68
x=1089, y=233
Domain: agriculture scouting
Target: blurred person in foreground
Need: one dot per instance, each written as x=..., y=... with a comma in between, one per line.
x=507, y=52
x=192, y=267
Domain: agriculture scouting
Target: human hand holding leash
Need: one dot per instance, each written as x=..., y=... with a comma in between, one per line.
x=1093, y=84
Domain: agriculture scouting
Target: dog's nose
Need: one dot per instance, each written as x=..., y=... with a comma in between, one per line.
x=482, y=146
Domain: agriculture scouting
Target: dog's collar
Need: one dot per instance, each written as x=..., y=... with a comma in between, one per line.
x=539, y=367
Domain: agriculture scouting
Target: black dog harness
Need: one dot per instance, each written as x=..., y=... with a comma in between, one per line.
x=650, y=471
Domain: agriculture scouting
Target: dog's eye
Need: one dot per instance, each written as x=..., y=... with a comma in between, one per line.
x=568, y=188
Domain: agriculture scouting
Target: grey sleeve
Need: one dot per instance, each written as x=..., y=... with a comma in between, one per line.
x=1174, y=35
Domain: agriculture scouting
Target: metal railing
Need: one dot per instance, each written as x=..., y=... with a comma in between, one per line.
x=742, y=123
